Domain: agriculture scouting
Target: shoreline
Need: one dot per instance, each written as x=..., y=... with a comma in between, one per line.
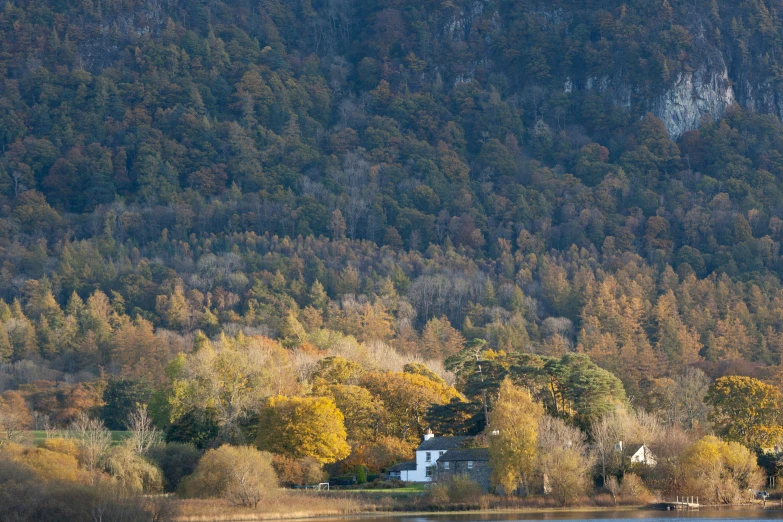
x=297, y=516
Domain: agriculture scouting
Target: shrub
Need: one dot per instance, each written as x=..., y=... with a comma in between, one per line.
x=632, y=488
x=24, y=496
x=240, y=474
x=46, y=464
x=176, y=461
x=465, y=490
x=438, y=494
x=60, y=445
x=378, y=483
x=132, y=471
x=612, y=485
x=295, y=472
x=361, y=474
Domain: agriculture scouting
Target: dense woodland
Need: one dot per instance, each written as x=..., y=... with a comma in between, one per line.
x=231, y=210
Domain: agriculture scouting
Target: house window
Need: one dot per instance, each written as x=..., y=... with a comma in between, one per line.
x=440, y=454
x=428, y=457
x=428, y=471
x=446, y=465
x=470, y=464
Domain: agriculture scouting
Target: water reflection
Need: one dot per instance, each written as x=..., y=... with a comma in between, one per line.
x=725, y=514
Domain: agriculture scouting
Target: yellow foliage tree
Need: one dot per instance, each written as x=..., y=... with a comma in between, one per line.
x=746, y=410
x=303, y=427
x=379, y=454
x=232, y=377
x=721, y=471
x=362, y=411
x=407, y=398
x=513, y=437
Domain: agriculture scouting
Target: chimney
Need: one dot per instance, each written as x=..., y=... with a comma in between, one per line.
x=428, y=435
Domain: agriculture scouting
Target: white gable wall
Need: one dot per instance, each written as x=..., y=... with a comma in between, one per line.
x=420, y=473
x=643, y=456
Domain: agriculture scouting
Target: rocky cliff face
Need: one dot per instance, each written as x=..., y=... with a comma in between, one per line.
x=693, y=96
x=706, y=91
x=761, y=96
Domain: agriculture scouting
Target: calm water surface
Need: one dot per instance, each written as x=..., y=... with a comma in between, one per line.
x=727, y=514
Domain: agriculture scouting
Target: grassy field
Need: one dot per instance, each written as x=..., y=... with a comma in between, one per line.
x=407, y=490
x=116, y=436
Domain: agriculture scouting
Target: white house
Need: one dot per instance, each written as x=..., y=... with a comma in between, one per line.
x=644, y=456
x=427, y=454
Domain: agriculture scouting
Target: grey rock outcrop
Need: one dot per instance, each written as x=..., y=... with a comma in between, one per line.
x=693, y=95
x=704, y=91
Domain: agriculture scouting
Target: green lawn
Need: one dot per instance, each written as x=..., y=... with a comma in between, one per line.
x=116, y=436
x=406, y=490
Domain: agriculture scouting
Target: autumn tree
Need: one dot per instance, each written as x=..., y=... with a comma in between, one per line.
x=302, y=427
x=406, y=398
x=721, y=471
x=380, y=453
x=440, y=339
x=336, y=370
x=676, y=341
x=231, y=378
x=513, y=425
x=363, y=413
x=15, y=417
x=746, y=410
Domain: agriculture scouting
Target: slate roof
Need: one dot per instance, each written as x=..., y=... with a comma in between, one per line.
x=476, y=454
x=404, y=466
x=441, y=443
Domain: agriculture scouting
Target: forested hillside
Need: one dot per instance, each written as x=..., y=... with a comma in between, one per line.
x=385, y=181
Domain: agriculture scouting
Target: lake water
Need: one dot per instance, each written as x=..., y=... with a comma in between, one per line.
x=725, y=514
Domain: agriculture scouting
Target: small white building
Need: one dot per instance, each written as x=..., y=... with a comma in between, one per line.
x=427, y=454
x=643, y=455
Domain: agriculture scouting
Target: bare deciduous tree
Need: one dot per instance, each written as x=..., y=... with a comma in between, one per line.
x=564, y=459
x=604, y=446
x=646, y=428
x=613, y=486
x=143, y=434
x=611, y=435
x=692, y=386
x=92, y=438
